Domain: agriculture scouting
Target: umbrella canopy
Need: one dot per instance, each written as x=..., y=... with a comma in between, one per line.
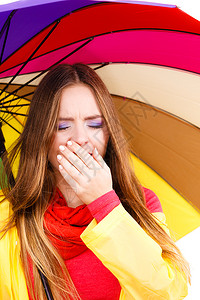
x=147, y=55
x=140, y=51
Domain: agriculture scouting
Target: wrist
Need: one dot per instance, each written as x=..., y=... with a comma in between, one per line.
x=103, y=205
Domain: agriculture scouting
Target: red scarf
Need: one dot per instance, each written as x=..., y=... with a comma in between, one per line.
x=64, y=226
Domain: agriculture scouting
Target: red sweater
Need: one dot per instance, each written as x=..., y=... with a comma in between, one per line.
x=92, y=280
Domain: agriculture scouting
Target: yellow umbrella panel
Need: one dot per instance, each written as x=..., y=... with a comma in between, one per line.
x=182, y=217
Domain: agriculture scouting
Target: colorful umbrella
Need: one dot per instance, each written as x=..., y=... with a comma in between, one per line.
x=148, y=56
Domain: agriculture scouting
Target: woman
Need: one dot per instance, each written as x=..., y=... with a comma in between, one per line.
x=77, y=212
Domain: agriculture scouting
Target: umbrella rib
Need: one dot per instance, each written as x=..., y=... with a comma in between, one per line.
x=6, y=26
x=44, y=71
x=101, y=66
x=13, y=106
x=4, y=121
x=22, y=96
x=11, y=116
x=4, y=113
x=5, y=39
x=13, y=113
x=17, y=105
x=10, y=102
x=30, y=57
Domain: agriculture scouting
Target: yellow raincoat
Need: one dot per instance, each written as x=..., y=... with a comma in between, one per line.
x=122, y=246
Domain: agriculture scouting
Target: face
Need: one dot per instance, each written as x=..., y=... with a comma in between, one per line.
x=80, y=120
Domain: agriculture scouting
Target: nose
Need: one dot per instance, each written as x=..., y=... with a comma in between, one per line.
x=80, y=135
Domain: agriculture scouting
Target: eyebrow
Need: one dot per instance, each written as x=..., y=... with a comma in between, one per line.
x=86, y=118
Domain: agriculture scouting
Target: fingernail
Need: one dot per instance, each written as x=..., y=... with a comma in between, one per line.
x=62, y=148
x=69, y=143
x=59, y=157
x=96, y=151
x=60, y=167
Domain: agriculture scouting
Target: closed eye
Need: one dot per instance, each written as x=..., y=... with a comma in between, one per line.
x=62, y=127
x=96, y=127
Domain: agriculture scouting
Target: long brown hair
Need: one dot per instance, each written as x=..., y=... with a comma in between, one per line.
x=35, y=181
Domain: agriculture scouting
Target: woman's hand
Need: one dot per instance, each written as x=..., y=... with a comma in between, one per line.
x=89, y=176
